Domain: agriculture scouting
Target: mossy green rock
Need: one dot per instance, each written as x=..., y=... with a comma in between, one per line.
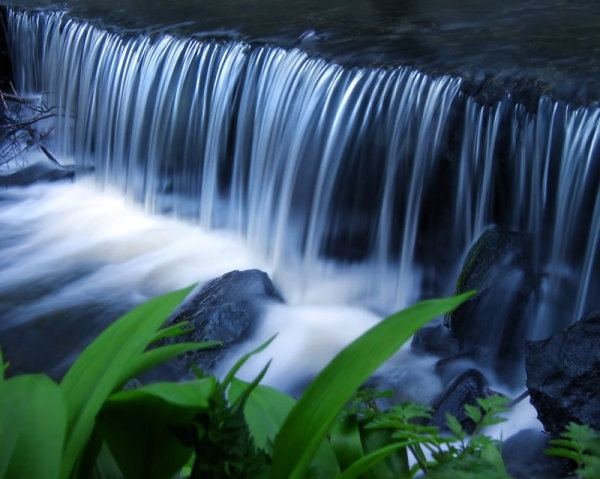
x=494, y=248
x=499, y=267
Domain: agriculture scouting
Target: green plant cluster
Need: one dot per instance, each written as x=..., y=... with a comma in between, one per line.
x=92, y=425
x=581, y=444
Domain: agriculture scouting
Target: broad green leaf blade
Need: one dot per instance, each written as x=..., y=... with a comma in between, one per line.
x=346, y=441
x=3, y=367
x=173, y=331
x=194, y=395
x=32, y=427
x=390, y=466
x=154, y=357
x=140, y=425
x=107, y=364
x=105, y=466
x=309, y=421
x=366, y=463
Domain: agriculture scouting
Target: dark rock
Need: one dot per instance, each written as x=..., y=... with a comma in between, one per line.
x=6, y=71
x=524, y=457
x=563, y=375
x=495, y=321
x=436, y=340
x=36, y=172
x=465, y=389
x=226, y=309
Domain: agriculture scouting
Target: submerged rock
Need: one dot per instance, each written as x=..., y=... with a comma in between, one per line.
x=563, y=375
x=525, y=458
x=226, y=309
x=37, y=172
x=499, y=266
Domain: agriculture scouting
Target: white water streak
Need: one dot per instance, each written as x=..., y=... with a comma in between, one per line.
x=309, y=161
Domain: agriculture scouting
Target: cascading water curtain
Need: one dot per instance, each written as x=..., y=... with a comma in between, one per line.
x=310, y=161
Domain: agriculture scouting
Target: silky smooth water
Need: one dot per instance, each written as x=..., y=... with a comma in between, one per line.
x=75, y=257
x=358, y=188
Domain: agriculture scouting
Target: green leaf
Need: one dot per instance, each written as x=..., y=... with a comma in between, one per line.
x=492, y=407
x=391, y=466
x=346, y=441
x=265, y=410
x=583, y=437
x=140, y=426
x=173, y=331
x=192, y=395
x=241, y=399
x=105, y=365
x=455, y=427
x=567, y=443
x=32, y=427
x=104, y=466
x=568, y=453
x=473, y=412
x=236, y=367
x=491, y=455
x=399, y=416
x=366, y=463
x=3, y=367
x=309, y=421
x=154, y=357
x=590, y=468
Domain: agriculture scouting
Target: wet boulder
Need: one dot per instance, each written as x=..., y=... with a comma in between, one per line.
x=226, y=309
x=435, y=340
x=465, y=389
x=6, y=69
x=494, y=323
x=563, y=375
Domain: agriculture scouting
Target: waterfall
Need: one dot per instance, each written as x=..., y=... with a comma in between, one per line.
x=313, y=162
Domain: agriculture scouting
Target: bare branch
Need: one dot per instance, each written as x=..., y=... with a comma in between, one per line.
x=20, y=124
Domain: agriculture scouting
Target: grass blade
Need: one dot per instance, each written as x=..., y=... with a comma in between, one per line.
x=240, y=362
x=346, y=441
x=106, y=365
x=160, y=355
x=366, y=463
x=312, y=416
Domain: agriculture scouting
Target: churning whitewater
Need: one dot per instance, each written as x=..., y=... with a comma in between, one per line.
x=362, y=187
